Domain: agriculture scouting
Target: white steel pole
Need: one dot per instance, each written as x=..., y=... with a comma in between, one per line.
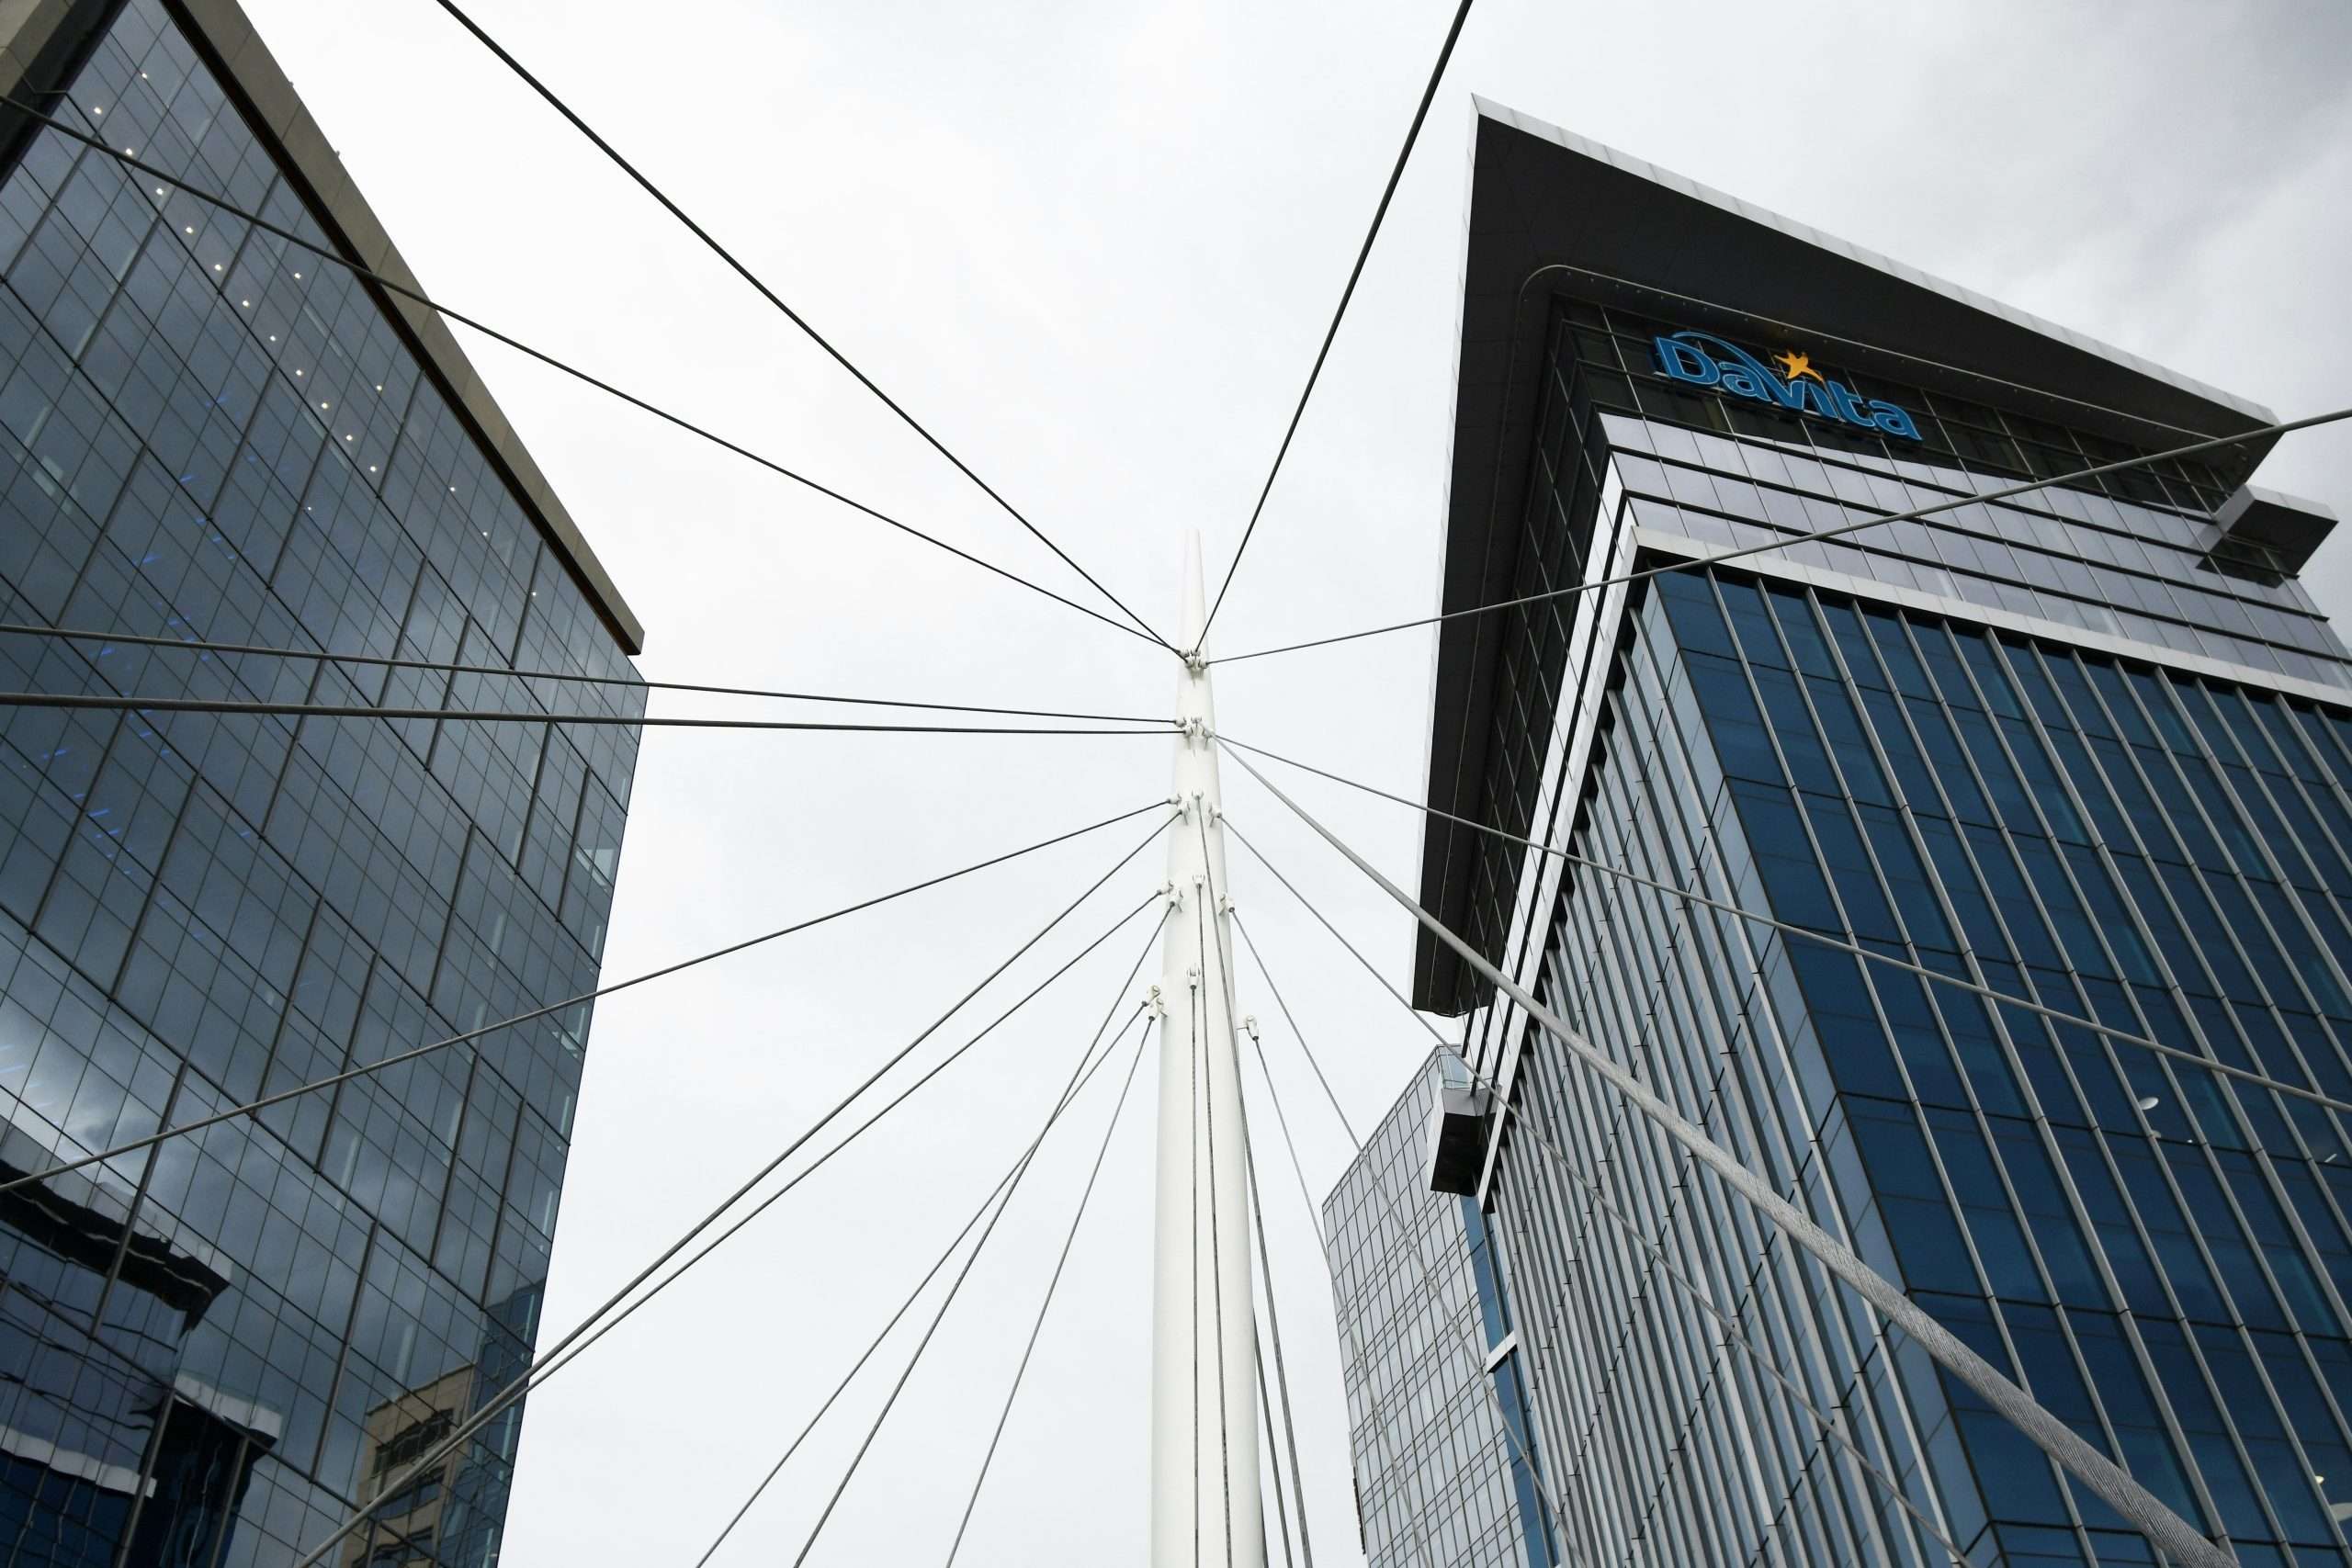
x=1205, y=1509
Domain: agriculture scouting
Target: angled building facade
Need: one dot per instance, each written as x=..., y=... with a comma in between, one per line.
x=213, y=1350
x=2089, y=747
x=1446, y=1464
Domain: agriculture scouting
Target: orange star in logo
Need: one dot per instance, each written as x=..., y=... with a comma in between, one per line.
x=1797, y=364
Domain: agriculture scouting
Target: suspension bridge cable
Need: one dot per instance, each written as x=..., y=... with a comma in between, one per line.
x=1275, y=1334
x=1258, y=1047
x=103, y=701
x=1784, y=541
x=913, y=1296
x=633, y=683
x=2102, y=1475
x=1314, y=1213
x=366, y=1069
x=408, y=291
x=946, y=1256
x=1534, y=1472
x=1507, y=1111
x=795, y=317
x=1216, y=1231
x=1249, y=1186
x=1958, y=982
x=1052, y=1284
x=539, y=1374
x=1364, y=253
x=1266, y=1413
x=1275, y=991
x=1192, y=1030
x=900, y=1096
x=948, y=1300
x=1427, y=1291
x=540, y=1365
x=1735, y=1337
x=1369, y=967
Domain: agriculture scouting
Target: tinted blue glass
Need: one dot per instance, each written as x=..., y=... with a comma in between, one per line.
x=1792, y=725
x=1742, y=741
x=206, y=434
x=2164, y=855
x=1911, y=770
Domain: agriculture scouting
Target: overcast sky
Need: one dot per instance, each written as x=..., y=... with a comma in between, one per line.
x=1094, y=247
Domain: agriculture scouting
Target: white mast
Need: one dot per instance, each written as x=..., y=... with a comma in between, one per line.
x=1205, y=1509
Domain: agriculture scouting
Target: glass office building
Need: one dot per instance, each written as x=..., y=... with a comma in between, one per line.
x=2084, y=754
x=1444, y=1459
x=212, y=1351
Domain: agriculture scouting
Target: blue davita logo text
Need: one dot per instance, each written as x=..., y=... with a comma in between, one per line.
x=1703, y=359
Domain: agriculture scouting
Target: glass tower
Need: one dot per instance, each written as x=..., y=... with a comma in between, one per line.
x=1446, y=1462
x=2089, y=748
x=212, y=1351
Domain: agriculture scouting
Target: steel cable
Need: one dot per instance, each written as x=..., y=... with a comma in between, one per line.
x=366, y=1069
x=1274, y=1333
x=564, y=677
x=773, y=297
x=1427, y=1291
x=1831, y=1427
x=797, y=1177
x=1784, y=541
x=108, y=702
x=1257, y=1047
x=1223, y=903
x=410, y=292
x=913, y=1296
x=514, y=1390
x=1053, y=1283
x=1275, y=991
x=948, y=1300
x=2147, y=1513
x=1958, y=982
x=1364, y=253
x=1216, y=1230
x=1266, y=1413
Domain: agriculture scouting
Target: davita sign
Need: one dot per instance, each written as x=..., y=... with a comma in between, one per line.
x=1702, y=359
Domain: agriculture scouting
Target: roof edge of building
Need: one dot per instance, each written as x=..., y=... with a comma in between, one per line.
x=1487, y=108
x=1545, y=202
x=41, y=41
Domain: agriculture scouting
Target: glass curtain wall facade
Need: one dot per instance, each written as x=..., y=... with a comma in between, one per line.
x=1447, y=1468
x=2077, y=750
x=212, y=1351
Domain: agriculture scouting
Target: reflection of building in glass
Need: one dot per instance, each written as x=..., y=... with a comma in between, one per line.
x=2091, y=747
x=116, y=1449
x=452, y=1512
x=407, y=1527
x=207, y=433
